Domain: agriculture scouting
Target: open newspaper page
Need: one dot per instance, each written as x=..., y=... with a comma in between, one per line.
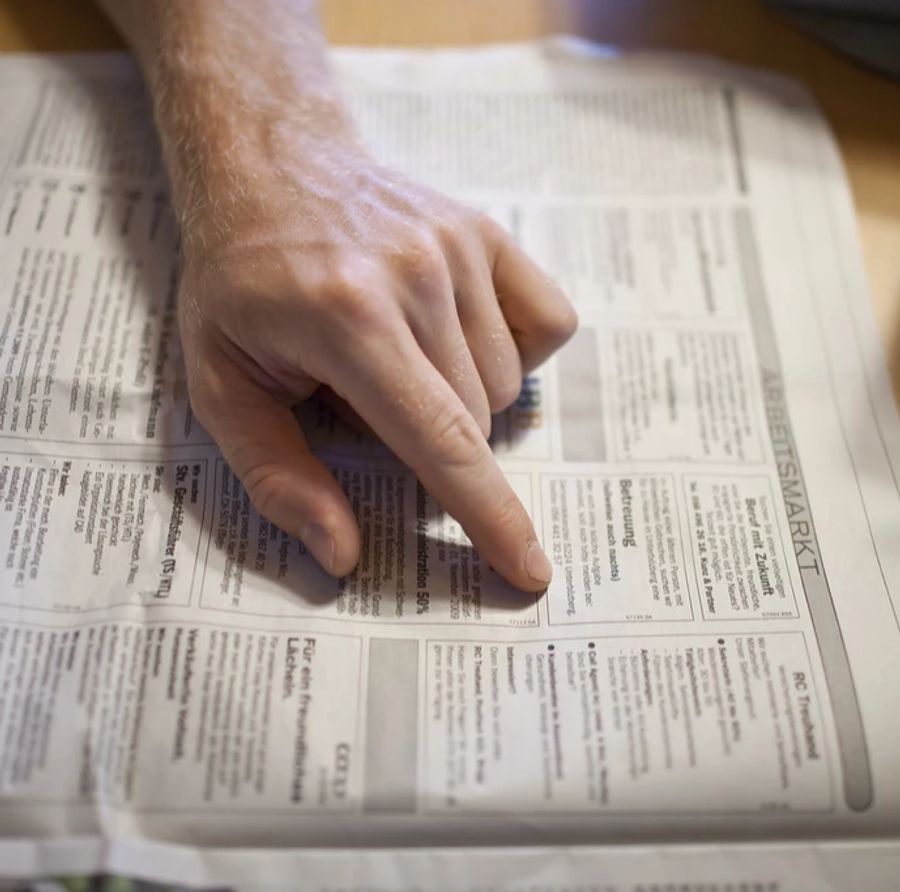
x=712, y=464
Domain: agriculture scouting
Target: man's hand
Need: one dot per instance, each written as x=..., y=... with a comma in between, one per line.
x=306, y=263
x=417, y=312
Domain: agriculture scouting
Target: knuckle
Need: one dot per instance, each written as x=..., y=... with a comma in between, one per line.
x=568, y=324
x=347, y=293
x=560, y=325
x=489, y=228
x=454, y=228
x=421, y=256
x=456, y=439
x=504, y=391
x=264, y=482
x=343, y=281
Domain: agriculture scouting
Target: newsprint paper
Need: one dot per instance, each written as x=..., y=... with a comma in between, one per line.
x=709, y=692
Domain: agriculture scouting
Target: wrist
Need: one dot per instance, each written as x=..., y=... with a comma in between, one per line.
x=238, y=91
x=225, y=144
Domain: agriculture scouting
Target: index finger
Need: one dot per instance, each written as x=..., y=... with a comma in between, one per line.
x=419, y=416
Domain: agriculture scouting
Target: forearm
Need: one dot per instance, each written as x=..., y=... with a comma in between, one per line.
x=232, y=82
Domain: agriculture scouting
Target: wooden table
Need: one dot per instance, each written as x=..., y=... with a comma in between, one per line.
x=863, y=108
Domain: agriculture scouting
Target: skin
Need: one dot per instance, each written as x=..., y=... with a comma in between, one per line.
x=308, y=264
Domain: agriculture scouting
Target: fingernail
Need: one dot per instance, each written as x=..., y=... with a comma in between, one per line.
x=321, y=543
x=537, y=566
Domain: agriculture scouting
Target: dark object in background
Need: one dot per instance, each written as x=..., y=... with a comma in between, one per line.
x=867, y=31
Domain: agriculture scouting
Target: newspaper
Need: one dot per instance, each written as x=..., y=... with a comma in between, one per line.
x=707, y=693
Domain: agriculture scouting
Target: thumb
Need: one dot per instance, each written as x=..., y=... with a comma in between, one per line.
x=264, y=446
